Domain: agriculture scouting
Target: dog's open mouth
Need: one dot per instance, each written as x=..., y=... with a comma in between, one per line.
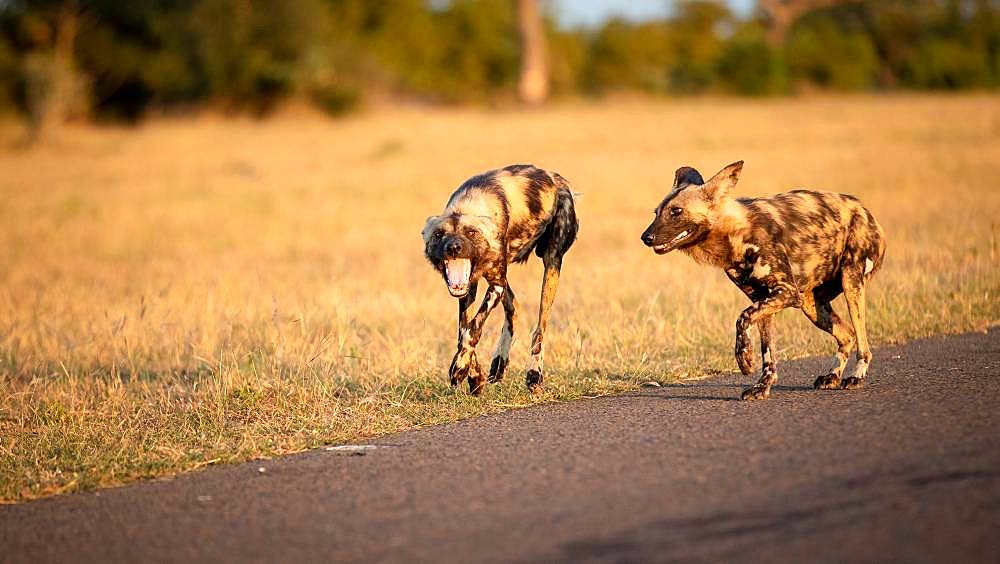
x=660, y=249
x=457, y=273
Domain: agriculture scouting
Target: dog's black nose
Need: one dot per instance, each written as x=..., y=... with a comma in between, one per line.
x=453, y=247
x=647, y=239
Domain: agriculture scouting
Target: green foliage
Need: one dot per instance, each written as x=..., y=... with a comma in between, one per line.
x=951, y=65
x=696, y=39
x=251, y=55
x=625, y=56
x=254, y=54
x=946, y=44
x=568, y=57
x=827, y=52
x=335, y=99
x=748, y=66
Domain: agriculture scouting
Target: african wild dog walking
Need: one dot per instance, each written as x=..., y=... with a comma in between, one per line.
x=492, y=220
x=798, y=249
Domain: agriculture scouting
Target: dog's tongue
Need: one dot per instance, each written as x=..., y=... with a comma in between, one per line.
x=457, y=272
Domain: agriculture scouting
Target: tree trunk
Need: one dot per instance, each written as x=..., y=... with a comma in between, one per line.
x=533, y=86
x=51, y=78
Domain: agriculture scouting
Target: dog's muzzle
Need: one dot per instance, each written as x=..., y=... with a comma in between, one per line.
x=457, y=274
x=649, y=239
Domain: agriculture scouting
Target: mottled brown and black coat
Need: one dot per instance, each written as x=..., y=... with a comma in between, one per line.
x=800, y=249
x=492, y=220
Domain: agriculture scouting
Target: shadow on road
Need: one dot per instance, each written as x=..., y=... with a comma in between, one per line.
x=699, y=391
x=716, y=535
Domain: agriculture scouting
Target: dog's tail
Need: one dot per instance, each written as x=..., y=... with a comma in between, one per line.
x=563, y=184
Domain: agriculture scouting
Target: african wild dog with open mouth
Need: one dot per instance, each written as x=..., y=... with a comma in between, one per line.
x=798, y=249
x=492, y=220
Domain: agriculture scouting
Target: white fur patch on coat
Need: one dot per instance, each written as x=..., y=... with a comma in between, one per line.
x=760, y=270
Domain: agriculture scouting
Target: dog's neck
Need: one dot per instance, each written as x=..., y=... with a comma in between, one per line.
x=724, y=244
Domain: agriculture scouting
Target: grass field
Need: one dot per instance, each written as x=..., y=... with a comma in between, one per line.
x=204, y=291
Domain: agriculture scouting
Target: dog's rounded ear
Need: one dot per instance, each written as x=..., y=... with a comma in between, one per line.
x=429, y=226
x=720, y=185
x=685, y=176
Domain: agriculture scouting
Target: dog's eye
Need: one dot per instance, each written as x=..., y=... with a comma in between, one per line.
x=675, y=211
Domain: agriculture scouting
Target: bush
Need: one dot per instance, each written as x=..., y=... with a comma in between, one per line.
x=749, y=66
x=948, y=64
x=625, y=56
x=249, y=55
x=9, y=78
x=828, y=54
x=334, y=99
x=696, y=42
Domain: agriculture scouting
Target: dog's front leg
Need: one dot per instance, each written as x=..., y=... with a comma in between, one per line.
x=465, y=304
x=502, y=355
x=465, y=363
x=768, y=372
x=761, y=313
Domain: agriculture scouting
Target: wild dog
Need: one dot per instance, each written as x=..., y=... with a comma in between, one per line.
x=800, y=249
x=492, y=220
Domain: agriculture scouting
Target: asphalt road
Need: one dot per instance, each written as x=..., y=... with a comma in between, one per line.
x=907, y=469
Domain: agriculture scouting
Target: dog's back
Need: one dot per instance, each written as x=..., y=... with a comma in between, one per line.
x=525, y=192
x=818, y=231
x=521, y=199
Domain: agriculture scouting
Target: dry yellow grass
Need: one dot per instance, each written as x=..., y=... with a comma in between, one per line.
x=202, y=291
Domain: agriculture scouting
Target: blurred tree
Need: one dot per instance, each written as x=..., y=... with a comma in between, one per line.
x=941, y=44
x=782, y=14
x=748, y=65
x=830, y=50
x=10, y=73
x=52, y=89
x=568, y=55
x=627, y=56
x=254, y=54
x=533, y=82
x=137, y=54
x=696, y=43
x=108, y=58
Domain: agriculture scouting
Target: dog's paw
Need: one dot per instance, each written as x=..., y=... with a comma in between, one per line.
x=476, y=385
x=756, y=392
x=534, y=380
x=497, y=368
x=853, y=383
x=477, y=382
x=829, y=381
x=744, y=353
x=461, y=366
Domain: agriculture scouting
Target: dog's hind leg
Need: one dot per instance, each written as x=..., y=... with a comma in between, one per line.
x=549, y=284
x=820, y=311
x=854, y=293
x=465, y=362
x=864, y=252
x=502, y=355
x=557, y=239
